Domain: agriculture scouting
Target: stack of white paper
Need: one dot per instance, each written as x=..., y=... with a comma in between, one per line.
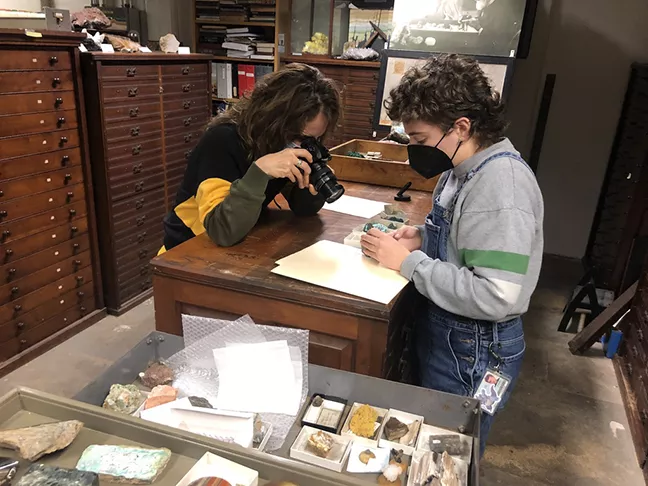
x=356, y=206
x=257, y=378
x=342, y=268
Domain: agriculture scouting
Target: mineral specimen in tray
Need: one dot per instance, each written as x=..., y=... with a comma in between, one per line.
x=366, y=456
x=123, y=398
x=379, y=227
x=200, y=402
x=260, y=430
x=363, y=421
x=160, y=395
x=209, y=482
x=449, y=476
x=452, y=444
x=395, y=429
x=321, y=443
x=42, y=475
x=34, y=442
x=124, y=464
x=157, y=374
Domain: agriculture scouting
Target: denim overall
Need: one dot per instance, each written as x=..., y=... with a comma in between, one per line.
x=453, y=352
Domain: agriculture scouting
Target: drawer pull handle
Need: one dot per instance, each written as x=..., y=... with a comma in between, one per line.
x=139, y=204
x=17, y=308
x=72, y=213
x=135, y=131
x=12, y=273
x=639, y=331
x=133, y=112
x=187, y=122
x=139, y=186
x=70, y=195
x=187, y=154
x=185, y=70
x=9, y=252
x=79, y=278
x=56, y=82
x=141, y=237
x=60, y=122
x=186, y=105
x=14, y=290
x=130, y=72
x=6, y=234
x=132, y=92
x=77, y=263
x=137, y=168
x=1, y=193
x=83, y=308
x=53, y=60
x=23, y=342
x=63, y=141
x=80, y=294
x=58, y=102
x=186, y=88
x=634, y=352
x=140, y=221
x=136, y=149
x=187, y=138
x=143, y=271
x=372, y=105
x=64, y=160
x=74, y=229
x=143, y=253
x=75, y=247
x=20, y=325
x=67, y=178
x=3, y=214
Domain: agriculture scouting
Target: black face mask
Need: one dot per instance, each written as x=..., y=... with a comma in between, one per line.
x=430, y=161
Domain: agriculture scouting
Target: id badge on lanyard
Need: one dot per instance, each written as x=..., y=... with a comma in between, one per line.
x=493, y=386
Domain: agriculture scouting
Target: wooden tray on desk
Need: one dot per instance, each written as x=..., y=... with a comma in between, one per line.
x=392, y=170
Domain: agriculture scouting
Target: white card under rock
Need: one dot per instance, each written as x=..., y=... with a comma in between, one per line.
x=342, y=268
x=356, y=206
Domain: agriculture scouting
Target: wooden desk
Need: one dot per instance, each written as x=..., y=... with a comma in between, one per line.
x=200, y=278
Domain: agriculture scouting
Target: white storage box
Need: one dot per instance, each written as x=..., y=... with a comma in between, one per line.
x=346, y=428
x=336, y=457
x=429, y=431
x=211, y=465
x=409, y=420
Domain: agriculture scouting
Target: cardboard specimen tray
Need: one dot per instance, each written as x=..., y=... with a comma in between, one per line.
x=23, y=408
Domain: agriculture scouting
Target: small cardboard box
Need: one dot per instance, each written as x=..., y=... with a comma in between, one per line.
x=337, y=457
x=211, y=465
x=408, y=419
x=428, y=431
x=461, y=468
x=332, y=407
x=346, y=429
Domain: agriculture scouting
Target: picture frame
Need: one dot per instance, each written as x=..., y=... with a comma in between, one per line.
x=500, y=69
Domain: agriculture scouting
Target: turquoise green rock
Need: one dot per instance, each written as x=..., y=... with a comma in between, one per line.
x=124, y=464
x=124, y=398
x=379, y=227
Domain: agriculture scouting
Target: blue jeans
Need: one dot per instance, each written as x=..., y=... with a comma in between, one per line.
x=453, y=355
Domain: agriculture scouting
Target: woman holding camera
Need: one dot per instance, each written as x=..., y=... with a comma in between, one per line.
x=249, y=154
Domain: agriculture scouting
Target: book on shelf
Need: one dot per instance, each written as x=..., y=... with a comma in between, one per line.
x=238, y=30
x=265, y=50
x=238, y=46
x=263, y=44
x=234, y=80
x=239, y=54
x=262, y=57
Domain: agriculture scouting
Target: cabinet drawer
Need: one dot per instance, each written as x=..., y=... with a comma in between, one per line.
x=32, y=164
x=183, y=104
x=356, y=104
x=121, y=92
x=196, y=118
x=126, y=72
x=138, y=205
x=29, y=82
x=137, y=222
x=16, y=125
x=131, y=111
x=132, y=130
x=177, y=156
x=136, y=273
x=140, y=237
x=186, y=87
x=134, y=166
x=176, y=172
x=24, y=207
x=182, y=70
x=135, y=288
x=134, y=150
x=15, y=250
x=13, y=104
x=18, y=307
x=42, y=313
x=187, y=139
x=129, y=187
x=14, y=230
x=38, y=183
x=19, y=269
x=362, y=75
x=44, y=60
x=36, y=144
x=31, y=283
x=142, y=254
x=48, y=328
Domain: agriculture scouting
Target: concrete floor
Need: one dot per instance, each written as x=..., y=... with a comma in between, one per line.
x=564, y=425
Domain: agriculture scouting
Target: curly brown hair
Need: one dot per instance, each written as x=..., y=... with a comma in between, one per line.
x=446, y=88
x=276, y=112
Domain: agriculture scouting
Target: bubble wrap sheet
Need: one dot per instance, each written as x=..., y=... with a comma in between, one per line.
x=195, y=368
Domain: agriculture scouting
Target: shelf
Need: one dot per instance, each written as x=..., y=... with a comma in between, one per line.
x=330, y=61
x=241, y=60
x=244, y=24
x=226, y=100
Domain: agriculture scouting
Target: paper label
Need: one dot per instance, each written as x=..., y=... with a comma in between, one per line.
x=108, y=48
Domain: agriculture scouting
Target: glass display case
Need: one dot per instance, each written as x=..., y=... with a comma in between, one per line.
x=330, y=27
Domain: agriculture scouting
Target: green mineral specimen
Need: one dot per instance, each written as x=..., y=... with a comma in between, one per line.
x=42, y=475
x=124, y=464
x=378, y=226
x=357, y=155
x=124, y=398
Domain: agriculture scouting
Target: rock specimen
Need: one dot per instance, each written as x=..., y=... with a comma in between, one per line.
x=123, y=398
x=363, y=422
x=260, y=431
x=33, y=443
x=395, y=429
x=366, y=456
x=157, y=374
x=124, y=464
x=391, y=474
x=200, y=402
x=449, y=476
x=321, y=443
x=169, y=43
x=451, y=443
x=160, y=395
x=410, y=437
x=42, y=475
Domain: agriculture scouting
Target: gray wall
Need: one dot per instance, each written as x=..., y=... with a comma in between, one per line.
x=589, y=45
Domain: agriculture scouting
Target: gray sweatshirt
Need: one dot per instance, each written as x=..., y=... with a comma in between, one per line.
x=495, y=244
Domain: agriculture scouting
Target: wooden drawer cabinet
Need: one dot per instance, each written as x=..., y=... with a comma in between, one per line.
x=48, y=242
x=153, y=109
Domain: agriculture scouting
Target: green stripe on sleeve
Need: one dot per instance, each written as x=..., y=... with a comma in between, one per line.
x=498, y=260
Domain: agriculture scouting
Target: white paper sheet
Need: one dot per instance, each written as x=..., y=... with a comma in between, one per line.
x=356, y=206
x=342, y=268
x=257, y=378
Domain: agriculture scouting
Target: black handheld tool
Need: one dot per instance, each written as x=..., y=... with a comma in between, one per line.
x=401, y=196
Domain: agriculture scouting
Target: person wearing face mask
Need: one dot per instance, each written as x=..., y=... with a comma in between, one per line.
x=475, y=262
x=250, y=153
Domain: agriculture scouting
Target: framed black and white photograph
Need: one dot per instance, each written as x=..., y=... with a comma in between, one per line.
x=476, y=27
x=396, y=63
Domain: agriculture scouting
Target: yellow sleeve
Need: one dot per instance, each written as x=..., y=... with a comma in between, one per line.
x=210, y=194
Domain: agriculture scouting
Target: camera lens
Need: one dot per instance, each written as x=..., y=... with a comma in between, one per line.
x=325, y=182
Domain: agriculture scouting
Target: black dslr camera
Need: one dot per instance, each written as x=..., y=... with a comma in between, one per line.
x=322, y=178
